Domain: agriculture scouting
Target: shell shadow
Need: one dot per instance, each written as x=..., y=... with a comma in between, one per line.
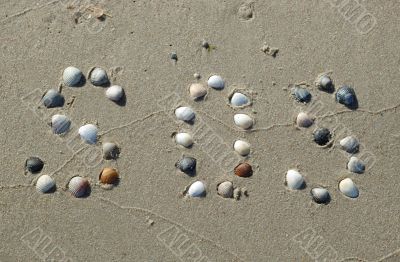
x=81, y=82
x=191, y=173
x=52, y=190
x=122, y=101
x=330, y=89
x=87, y=193
x=354, y=105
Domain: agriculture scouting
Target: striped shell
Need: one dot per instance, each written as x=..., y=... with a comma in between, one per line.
x=294, y=180
x=184, y=139
x=348, y=188
x=346, y=96
x=197, y=189
x=34, y=164
x=88, y=133
x=197, y=91
x=60, y=124
x=243, y=121
x=243, y=170
x=45, y=183
x=108, y=176
x=110, y=150
x=78, y=186
x=53, y=98
x=115, y=93
x=301, y=94
x=186, y=164
x=225, y=189
x=72, y=76
x=349, y=144
x=356, y=165
x=320, y=195
x=322, y=136
x=216, y=82
x=98, y=76
x=185, y=113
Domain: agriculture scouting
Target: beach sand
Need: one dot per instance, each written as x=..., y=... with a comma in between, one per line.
x=146, y=218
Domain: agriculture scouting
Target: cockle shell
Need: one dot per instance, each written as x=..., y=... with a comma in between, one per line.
x=98, y=76
x=242, y=147
x=185, y=113
x=225, y=189
x=60, y=124
x=216, y=82
x=349, y=144
x=186, y=164
x=78, y=186
x=320, y=195
x=348, y=188
x=88, y=133
x=45, y=183
x=356, y=165
x=243, y=170
x=346, y=96
x=324, y=83
x=322, y=136
x=304, y=120
x=197, y=91
x=243, y=121
x=115, y=93
x=301, y=94
x=197, y=189
x=72, y=76
x=34, y=164
x=184, y=139
x=239, y=99
x=294, y=180
x=53, y=98
x=110, y=150
x=108, y=176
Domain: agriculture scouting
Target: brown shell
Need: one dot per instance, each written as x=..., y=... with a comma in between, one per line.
x=108, y=176
x=243, y=170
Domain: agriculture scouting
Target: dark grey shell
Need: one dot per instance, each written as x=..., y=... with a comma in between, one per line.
x=320, y=195
x=34, y=164
x=322, y=136
x=346, y=96
x=186, y=164
x=53, y=98
x=301, y=94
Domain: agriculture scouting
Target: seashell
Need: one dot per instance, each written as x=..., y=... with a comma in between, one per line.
x=205, y=44
x=243, y=121
x=304, y=120
x=184, y=139
x=45, y=183
x=173, y=56
x=322, y=136
x=60, y=124
x=98, y=76
x=348, y=188
x=115, y=93
x=294, y=180
x=53, y=98
x=320, y=195
x=346, y=96
x=88, y=133
x=78, y=186
x=225, y=189
x=34, y=164
x=242, y=147
x=110, y=151
x=72, y=76
x=301, y=94
x=216, y=82
x=349, y=144
x=186, y=164
x=356, y=165
x=243, y=170
x=197, y=91
x=185, y=113
x=197, y=189
x=196, y=76
x=108, y=176
x=239, y=99
x=324, y=83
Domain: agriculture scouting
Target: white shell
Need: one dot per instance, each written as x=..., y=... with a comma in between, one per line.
x=242, y=147
x=88, y=133
x=45, y=183
x=60, y=124
x=197, y=189
x=197, y=91
x=98, y=76
x=304, y=120
x=225, y=189
x=349, y=144
x=184, y=139
x=216, y=82
x=294, y=180
x=348, y=188
x=78, y=186
x=185, y=113
x=356, y=165
x=114, y=93
x=243, y=121
x=72, y=76
x=239, y=99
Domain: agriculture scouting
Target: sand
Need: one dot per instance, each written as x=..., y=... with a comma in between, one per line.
x=146, y=218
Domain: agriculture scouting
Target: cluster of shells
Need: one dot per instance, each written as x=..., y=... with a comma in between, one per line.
x=60, y=124
x=346, y=96
x=187, y=164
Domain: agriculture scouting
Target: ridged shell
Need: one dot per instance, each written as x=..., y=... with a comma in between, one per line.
x=322, y=136
x=304, y=120
x=108, y=176
x=53, y=98
x=197, y=91
x=186, y=164
x=98, y=77
x=60, y=124
x=34, y=164
x=78, y=186
x=294, y=180
x=356, y=165
x=197, y=189
x=301, y=94
x=320, y=195
x=216, y=82
x=88, y=133
x=72, y=76
x=184, y=139
x=348, y=188
x=45, y=183
x=243, y=121
x=115, y=93
x=239, y=99
x=346, y=96
x=243, y=170
x=185, y=113
x=241, y=147
x=324, y=83
x=110, y=150
x=349, y=144
x=225, y=189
